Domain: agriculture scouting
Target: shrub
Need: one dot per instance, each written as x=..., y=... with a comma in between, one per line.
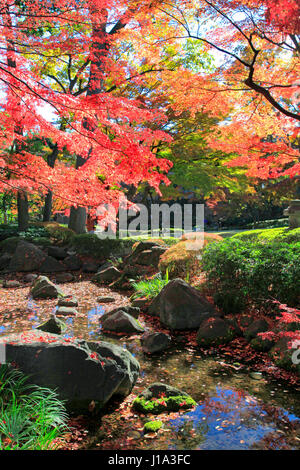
x=32, y=417
x=184, y=258
x=277, y=234
x=240, y=271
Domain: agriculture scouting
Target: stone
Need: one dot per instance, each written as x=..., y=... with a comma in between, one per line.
x=153, y=342
x=57, y=252
x=72, y=263
x=157, y=389
x=53, y=325
x=123, y=358
x=51, y=265
x=66, y=311
x=27, y=257
x=43, y=288
x=11, y=284
x=105, y=299
x=256, y=375
x=121, y=322
x=133, y=311
x=258, y=326
x=107, y=276
x=5, y=260
x=67, y=301
x=29, y=278
x=181, y=306
x=150, y=257
x=214, y=331
x=64, y=277
x=89, y=267
x=81, y=375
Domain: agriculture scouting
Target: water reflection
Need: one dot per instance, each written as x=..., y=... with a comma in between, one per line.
x=232, y=419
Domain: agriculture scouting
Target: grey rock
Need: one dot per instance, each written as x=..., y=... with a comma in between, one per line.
x=64, y=277
x=153, y=342
x=57, y=252
x=67, y=301
x=107, y=276
x=53, y=325
x=181, y=306
x=258, y=326
x=121, y=322
x=5, y=260
x=133, y=311
x=29, y=278
x=11, y=284
x=72, y=263
x=105, y=299
x=89, y=267
x=66, y=311
x=156, y=390
x=27, y=257
x=215, y=331
x=51, y=265
x=43, y=288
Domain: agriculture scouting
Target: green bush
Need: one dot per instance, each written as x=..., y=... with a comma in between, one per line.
x=31, y=416
x=239, y=271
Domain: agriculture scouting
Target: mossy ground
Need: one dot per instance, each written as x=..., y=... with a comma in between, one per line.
x=164, y=404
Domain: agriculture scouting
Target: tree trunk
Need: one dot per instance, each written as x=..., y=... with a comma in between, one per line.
x=47, y=207
x=49, y=197
x=77, y=221
x=23, y=215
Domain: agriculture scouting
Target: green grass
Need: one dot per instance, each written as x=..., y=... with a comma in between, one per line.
x=31, y=417
x=149, y=288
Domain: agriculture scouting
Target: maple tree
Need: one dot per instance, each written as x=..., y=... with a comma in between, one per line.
x=108, y=134
x=253, y=87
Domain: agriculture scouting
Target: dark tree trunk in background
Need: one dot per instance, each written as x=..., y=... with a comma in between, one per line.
x=23, y=214
x=49, y=197
x=77, y=221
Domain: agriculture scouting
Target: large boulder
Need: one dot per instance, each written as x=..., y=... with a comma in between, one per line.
x=27, y=257
x=181, y=306
x=215, y=331
x=43, y=288
x=121, y=322
x=81, y=374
